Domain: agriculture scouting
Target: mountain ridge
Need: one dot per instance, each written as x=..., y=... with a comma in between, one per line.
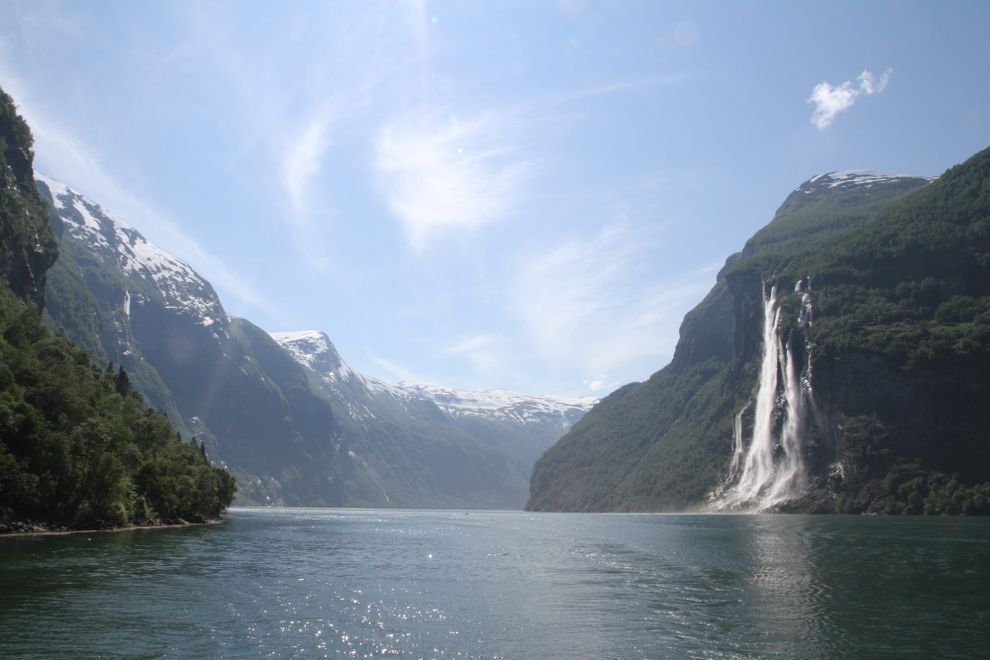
x=294, y=431
x=518, y=426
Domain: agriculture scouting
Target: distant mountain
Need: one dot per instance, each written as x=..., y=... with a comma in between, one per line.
x=839, y=364
x=290, y=418
x=516, y=427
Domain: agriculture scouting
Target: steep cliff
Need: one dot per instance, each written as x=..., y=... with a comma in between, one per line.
x=839, y=364
x=27, y=245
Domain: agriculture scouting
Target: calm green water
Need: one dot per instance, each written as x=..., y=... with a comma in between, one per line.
x=311, y=582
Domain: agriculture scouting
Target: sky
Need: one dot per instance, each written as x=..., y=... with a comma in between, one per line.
x=523, y=195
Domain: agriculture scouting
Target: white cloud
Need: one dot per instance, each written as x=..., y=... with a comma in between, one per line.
x=303, y=156
x=870, y=84
x=308, y=220
x=593, y=303
x=471, y=344
x=456, y=174
x=830, y=100
x=295, y=129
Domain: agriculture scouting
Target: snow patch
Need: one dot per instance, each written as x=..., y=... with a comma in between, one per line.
x=112, y=239
x=315, y=351
x=498, y=402
x=854, y=178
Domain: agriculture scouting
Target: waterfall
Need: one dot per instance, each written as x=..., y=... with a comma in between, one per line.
x=771, y=469
x=738, y=454
x=737, y=444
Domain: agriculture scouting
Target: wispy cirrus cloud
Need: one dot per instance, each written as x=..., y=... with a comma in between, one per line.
x=831, y=100
x=300, y=166
x=302, y=160
x=591, y=301
x=396, y=372
x=447, y=175
x=481, y=351
x=345, y=72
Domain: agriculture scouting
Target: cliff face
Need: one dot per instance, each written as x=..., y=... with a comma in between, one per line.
x=870, y=396
x=27, y=246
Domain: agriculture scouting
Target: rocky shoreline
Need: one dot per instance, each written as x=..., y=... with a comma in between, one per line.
x=21, y=528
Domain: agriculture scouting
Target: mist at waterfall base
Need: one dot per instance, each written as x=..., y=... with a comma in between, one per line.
x=771, y=469
x=311, y=583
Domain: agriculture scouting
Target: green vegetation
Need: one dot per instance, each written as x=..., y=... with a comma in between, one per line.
x=78, y=448
x=909, y=279
x=900, y=348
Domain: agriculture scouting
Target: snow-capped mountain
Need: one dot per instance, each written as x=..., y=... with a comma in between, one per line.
x=842, y=190
x=315, y=351
x=220, y=379
x=290, y=418
x=502, y=404
x=123, y=247
x=848, y=180
x=355, y=395
x=513, y=429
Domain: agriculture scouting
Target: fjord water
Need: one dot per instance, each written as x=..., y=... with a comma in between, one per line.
x=313, y=582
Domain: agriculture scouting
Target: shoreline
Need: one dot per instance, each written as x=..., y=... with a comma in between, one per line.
x=127, y=528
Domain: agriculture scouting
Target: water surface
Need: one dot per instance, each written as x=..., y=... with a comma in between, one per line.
x=313, y=582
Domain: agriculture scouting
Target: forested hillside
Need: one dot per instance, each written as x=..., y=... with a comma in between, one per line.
x=78, y=447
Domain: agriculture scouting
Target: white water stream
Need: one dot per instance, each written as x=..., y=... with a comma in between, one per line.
x=770, y=469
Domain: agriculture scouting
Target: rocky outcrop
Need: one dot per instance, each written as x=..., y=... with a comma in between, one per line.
x=27, y=246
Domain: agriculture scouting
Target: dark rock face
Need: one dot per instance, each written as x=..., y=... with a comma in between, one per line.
x=27, y=246
x=898, y=355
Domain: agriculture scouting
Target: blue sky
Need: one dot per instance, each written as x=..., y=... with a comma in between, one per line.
x=527, y=195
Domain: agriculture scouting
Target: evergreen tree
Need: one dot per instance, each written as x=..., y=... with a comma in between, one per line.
x=122, y=383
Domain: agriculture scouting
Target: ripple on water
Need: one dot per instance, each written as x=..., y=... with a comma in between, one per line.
x=380, y=583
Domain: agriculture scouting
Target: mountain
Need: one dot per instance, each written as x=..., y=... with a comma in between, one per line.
x=220, y=378
x=515, y=428
x=293, y=422
x=78, y=448
x=838, y=364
